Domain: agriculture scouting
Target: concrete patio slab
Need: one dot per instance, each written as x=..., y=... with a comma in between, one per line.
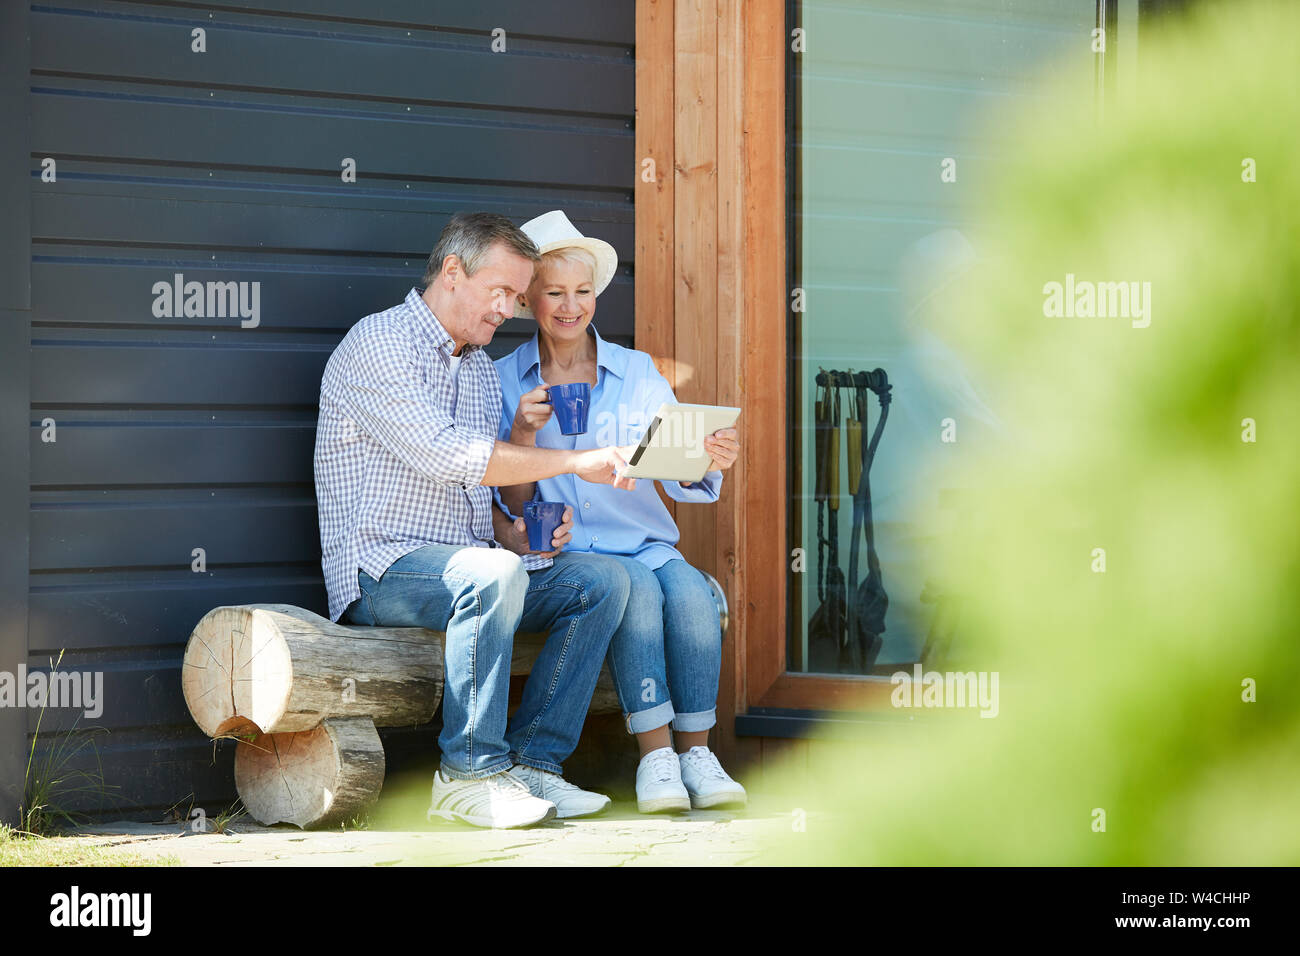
x=619, y=837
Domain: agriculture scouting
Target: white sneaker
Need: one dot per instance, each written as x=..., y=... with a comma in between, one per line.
x=499, y=801
x=659, y=783
x=570, y=801
x=706, y=781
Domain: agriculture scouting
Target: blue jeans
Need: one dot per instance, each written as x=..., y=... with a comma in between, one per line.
x=666, y=655
x=480, y=597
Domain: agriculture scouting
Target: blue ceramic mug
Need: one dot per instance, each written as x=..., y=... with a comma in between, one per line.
x=542, y=518
x=571, y=403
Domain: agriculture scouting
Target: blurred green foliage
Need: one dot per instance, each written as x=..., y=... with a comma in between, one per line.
x=1123, y=690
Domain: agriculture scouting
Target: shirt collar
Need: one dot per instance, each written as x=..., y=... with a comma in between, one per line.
x=432, y=328
x=608, y=356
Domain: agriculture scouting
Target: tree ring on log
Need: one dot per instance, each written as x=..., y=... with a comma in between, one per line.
x=237, y=666
x=311, y=778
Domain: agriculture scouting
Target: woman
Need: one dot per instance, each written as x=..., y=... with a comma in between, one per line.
x=666, y=654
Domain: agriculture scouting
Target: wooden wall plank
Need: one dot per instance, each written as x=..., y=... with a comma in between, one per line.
x=764, y=338
x=695, y=240
x=654, y=190
x=730, y=510
x=654, y=200
x=695, y=199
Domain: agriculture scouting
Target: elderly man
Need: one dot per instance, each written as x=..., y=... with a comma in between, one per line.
x=406, y=452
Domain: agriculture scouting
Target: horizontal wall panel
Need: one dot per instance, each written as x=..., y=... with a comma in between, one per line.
x=78, y=291
x=150, y=374
x=229, y=533
x=104, y=454
x=331, y=223
x=147, y=771
x=140, y=612
x=132, y=694
x=197, y=373
x=597, y=21
x=393, y=67
x=224, y=132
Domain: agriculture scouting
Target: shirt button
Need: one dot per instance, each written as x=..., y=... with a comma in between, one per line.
x=586, y=504
x=595, y=538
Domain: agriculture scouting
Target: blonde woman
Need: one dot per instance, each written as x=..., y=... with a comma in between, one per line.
x=667, y=652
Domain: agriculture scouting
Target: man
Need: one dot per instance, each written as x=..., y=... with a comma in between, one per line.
x=406, y=451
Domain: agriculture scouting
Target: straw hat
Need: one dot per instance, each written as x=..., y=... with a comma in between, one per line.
x=551, y=231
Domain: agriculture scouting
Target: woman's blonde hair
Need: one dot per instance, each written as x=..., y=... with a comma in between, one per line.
x=568, y=254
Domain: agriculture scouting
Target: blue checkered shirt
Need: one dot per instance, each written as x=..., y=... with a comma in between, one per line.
x=401, y=447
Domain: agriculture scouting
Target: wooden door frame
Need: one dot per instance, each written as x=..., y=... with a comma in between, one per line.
x=712, y=309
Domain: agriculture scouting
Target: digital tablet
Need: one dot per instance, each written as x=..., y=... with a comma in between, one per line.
x=672, y=448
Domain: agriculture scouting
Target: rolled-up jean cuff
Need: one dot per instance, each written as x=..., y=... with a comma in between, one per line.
x=644, y=720
x=475, y=774
x=701, y=720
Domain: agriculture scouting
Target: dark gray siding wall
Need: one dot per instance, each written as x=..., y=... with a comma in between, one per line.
x=178, y=433
x=15, y=340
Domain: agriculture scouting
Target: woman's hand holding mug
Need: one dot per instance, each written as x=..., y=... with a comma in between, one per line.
x=534, y=411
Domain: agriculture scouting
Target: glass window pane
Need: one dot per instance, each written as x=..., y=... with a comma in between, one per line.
x=891, y=138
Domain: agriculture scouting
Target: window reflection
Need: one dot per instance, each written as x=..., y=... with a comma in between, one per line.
x=891, y=141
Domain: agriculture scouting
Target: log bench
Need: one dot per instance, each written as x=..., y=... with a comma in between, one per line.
x=302, y=696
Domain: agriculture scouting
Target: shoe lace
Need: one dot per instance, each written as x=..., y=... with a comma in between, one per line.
x=549, y=781
x=661, y=765
x=556, y=781
x=507, y=785
x=706, y=763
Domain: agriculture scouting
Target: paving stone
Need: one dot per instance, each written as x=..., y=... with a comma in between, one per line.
x=619, y=837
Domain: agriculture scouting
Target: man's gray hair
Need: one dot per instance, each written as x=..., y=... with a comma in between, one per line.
x=469, y=236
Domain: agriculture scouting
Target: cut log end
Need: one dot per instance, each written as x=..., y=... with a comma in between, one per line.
x=237, y=668
x=312, y=778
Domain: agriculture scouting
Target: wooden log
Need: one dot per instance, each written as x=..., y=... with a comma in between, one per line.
x=312, y=778
x=274, y=668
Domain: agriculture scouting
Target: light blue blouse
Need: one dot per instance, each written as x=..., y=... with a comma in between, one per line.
x=628, y=392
